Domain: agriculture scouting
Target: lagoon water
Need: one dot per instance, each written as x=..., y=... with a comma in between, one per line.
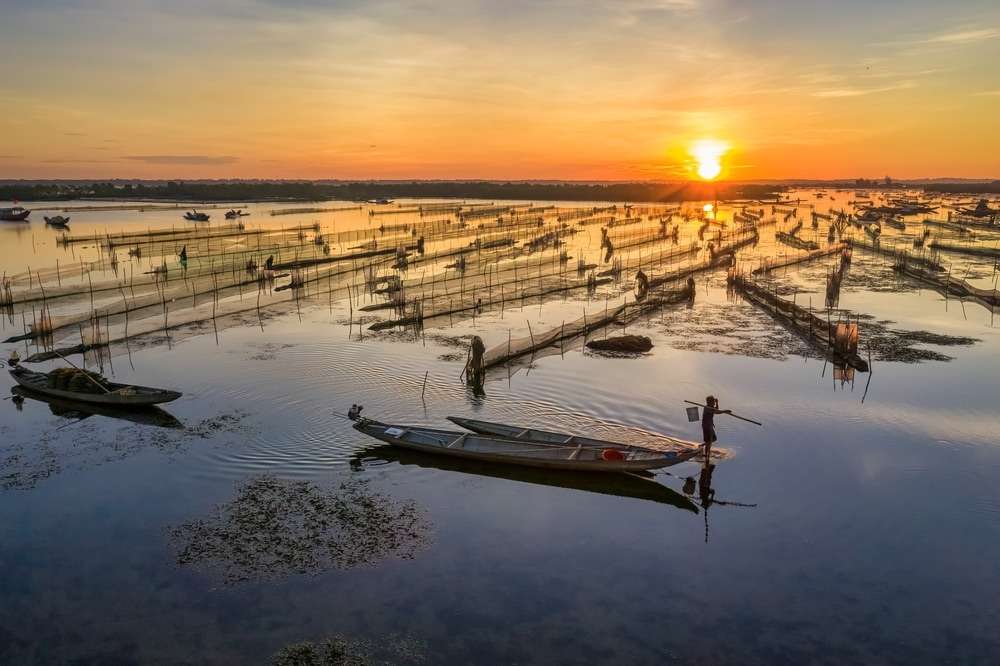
x=860, y=524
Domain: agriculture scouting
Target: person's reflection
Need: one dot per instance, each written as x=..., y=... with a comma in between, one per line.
x=704, y=485
x=705, y=490
x=706, y=493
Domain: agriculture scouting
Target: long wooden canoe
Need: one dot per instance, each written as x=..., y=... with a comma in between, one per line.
x=149, y=416
x=122, y=395
x=534, y=435
x=589, y=455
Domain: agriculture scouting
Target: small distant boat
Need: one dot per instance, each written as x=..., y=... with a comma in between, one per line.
x=106, y=393
x=570, y=453
x=233, y=214
x=380, y=202
x=894, y=222
x=982, y=209
x=195, y=216
x=57, y=221
x=15, y=214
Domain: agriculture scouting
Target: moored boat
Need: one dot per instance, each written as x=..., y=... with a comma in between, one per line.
x=57, y=221
x=232, y=214
x=84, y=387
x=585, y=454
x=15, y=214
x=151, y=416
x=195, y=216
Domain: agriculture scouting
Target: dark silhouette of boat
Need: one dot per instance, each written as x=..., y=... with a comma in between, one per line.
x=982, y=209
x=195, y=216
x=57, y=221
x=15, y=214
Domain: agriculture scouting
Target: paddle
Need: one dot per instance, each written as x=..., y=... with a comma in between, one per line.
x=735, y=416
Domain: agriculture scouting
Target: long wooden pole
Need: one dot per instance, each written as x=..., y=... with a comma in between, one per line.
x=735, y=416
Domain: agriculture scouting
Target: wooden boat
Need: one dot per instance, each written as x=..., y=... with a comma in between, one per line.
x=586, y=455
x=894, y=222
x=122, y=395
x=195, y=216
x=15, y=214
x=150, y=416
x=233, y=214
x=982, y=209
x=57, y=221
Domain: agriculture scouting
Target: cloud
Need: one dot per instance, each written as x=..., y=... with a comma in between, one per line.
x=61, y=161
x=183, y=159
x=987, y=93
x=958, y=37
x=964, y=36
x=859, y=92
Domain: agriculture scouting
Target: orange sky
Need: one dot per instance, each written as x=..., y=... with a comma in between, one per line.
x=615, y=89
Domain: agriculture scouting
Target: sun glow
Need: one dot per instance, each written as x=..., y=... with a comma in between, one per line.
x=708, y=154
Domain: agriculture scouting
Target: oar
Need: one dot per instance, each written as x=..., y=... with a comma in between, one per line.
x=735, y=416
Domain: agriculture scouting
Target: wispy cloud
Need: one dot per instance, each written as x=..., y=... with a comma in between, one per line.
x=987, y=93
x=860, y=92
x=183, y=159
x=964, y=36
x=957, y=37
x=69, y=161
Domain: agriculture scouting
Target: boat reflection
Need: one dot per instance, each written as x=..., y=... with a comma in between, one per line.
x=634, y=486
x=72, y=409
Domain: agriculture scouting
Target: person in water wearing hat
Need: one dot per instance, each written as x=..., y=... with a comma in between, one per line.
x=708, y=422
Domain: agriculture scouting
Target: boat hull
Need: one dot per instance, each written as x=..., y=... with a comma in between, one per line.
x=511, y=452
x=137, y=396
x=146, y=415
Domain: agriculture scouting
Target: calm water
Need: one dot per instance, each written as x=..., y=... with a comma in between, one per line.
x=861, y=524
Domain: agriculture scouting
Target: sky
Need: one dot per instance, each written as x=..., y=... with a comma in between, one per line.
x=512, y=89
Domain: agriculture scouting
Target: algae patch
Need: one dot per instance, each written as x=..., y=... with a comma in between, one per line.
x=275, y=527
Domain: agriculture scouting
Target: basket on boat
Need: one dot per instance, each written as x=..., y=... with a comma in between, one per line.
x=73, y=379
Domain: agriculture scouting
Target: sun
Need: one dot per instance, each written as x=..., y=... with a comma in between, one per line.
x=708, y=154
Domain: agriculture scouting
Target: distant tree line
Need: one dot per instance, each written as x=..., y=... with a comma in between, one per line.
x=363, y=191
x=965, y=188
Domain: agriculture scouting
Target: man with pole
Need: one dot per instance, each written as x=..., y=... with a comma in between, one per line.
x=708, y=422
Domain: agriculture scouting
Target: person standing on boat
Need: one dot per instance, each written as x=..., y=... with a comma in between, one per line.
x=708, y=422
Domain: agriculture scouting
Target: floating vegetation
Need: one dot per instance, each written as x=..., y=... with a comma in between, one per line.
x=338, y=650
x=275, y=527
x=623, y=344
